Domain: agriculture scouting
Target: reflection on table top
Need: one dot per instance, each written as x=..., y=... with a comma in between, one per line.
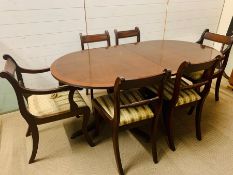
x=98, y=68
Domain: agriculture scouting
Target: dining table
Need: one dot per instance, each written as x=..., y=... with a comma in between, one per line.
x=98, y=68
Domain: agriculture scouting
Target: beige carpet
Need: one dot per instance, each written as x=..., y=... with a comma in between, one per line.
x=58, y=154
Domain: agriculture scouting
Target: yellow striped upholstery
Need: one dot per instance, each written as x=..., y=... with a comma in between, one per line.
x=127, y=115
x=198, y=75
x=185, y=96
x=52, y=104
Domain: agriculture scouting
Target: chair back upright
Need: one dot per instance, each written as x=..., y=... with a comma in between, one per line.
x=95, y=38
x=126, y=34
x=121, y=84
x=206, y=79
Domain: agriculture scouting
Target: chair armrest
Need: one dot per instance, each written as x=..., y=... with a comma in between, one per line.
x=33, y=71
x=24, y=70
x=46, y=91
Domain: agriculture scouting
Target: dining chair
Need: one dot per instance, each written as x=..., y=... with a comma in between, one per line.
x=226, y=42
x=178, y=93
x=85, y=39
x=127, y=108
x=127, y=34
x=44, y=106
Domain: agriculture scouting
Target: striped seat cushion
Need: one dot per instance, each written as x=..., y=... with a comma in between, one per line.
x=52, y=104
x=198, y=75
x=127, y=115
x=195, y=75
x=185, y=96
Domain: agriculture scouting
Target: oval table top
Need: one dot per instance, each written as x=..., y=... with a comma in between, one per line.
x=98, y=68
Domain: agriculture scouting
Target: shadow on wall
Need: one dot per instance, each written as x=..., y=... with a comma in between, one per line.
x=8, y=101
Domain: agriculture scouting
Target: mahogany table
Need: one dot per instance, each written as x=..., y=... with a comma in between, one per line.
x=98, y=68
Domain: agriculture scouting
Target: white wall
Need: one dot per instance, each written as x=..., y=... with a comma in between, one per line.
x=38, y=32
x=148, y=15
x=187, y=19
x=35, y=33
x=223, y=26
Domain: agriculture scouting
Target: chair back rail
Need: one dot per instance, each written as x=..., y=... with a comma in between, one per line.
x=127, y=34
x=95, y=38
x=123, y=84
x=141, y=103
x=218, y=38
x=215, y=38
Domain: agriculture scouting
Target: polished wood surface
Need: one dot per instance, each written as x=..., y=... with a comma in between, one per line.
x=98, y=68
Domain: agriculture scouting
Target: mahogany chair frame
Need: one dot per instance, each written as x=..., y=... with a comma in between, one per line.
x=127, y=34
x=155, y=102
x=205, y=82
x=85, y=39
x=22, y=93
x=225, y=41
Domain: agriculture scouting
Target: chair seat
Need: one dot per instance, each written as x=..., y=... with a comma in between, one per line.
x=52, y=104
x=185, y=96
x=127, y=115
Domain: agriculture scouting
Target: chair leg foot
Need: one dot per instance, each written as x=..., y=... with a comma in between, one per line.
x=28, y=133
x=116, y=151
x=35, y=140
x=85, y=130
x=171, y=144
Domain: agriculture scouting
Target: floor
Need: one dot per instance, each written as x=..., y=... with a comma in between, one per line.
x=58, y=154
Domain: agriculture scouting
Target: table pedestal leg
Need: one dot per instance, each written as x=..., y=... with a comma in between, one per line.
x=80, y=132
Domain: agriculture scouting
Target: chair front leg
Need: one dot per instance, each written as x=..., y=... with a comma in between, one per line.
x=35, y=140
x=97, y=122
x=154, y=139
x=217, y=87
x=116, y=150
x=169, y=128
x=198, y=119
x=84, y=128
x=92, y=94
x=87, y=92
